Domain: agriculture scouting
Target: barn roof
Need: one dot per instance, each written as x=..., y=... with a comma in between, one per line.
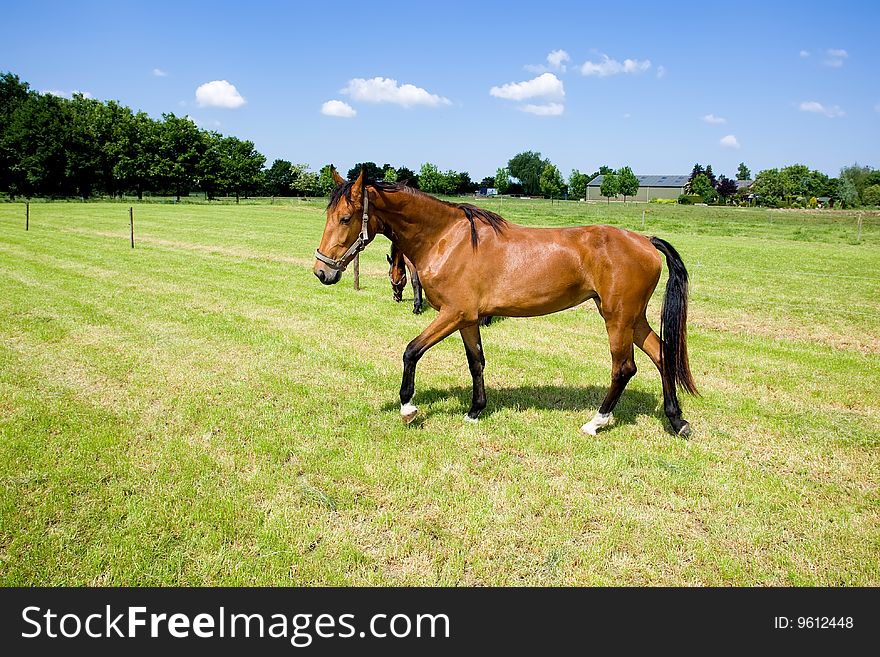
x=650, y=181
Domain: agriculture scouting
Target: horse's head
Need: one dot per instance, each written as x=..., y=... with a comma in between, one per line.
x=397, y=273
x=347, y=231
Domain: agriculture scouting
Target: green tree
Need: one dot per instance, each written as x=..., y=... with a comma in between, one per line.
x=278, y=178
x=502, y=180
x=610, y=186
x=35, y=138
x=180, y=146
x=304, y=182
x=871, y=195
x=703, y=187
x=627, y=183
x=847, y=191
x=551, y=182
x=408, y=177
x=527, y=168
x=431, y=180
x=390, y=175
x=13, y=95
x=742, y=172
x=451, y=181
x=859, y=177
x=577, y=184
x=769, y=187
x=326, y=184
x=372, y=171
x=465, y=184
x=210, y=172
x=135, y=147
x=242, y=166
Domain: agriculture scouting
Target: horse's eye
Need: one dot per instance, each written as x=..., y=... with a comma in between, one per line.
x=344, y=220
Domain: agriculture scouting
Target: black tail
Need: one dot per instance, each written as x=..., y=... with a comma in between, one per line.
x=673, y=321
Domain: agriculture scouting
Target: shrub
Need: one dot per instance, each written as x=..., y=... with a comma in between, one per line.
x=690, y=199
x=871, y=195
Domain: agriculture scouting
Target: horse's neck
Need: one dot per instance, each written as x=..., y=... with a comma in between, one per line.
x=416, y=222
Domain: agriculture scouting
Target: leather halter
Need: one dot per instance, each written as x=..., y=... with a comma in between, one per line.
x=359, y=244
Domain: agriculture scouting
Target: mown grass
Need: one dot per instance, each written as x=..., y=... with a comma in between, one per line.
x=200, y=410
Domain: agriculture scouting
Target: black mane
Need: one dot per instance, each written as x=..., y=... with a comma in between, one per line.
x=471, y=212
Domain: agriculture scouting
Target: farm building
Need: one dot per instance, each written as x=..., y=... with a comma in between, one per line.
x=649, y=187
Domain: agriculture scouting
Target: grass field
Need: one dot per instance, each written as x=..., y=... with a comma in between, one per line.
x=200, y=410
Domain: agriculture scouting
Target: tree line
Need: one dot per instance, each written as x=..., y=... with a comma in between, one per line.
x=52, y=146
x=81, y=147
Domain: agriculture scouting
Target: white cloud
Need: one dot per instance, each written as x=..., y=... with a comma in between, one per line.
x=557, y=59
x=610, y=66
x=386, y=90
x=661, y=71
x=835, y=57
x=804, y=54
x=555, y=62
x=339, y=109
x=711, y=118
x=67, y=94
x=548, y=109
x=159, y=73
x=219, y=93
x=816, y=107
x=546, y=84
x=729, y=141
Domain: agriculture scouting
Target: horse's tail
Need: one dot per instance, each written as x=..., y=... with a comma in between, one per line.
x=673, y=322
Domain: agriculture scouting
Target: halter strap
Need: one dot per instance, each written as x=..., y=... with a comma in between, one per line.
x=359, y=244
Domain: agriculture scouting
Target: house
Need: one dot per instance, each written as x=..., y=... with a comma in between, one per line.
x=650, y=187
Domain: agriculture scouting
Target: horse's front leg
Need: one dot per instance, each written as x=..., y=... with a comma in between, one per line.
x=417, y=290
x=443, y=325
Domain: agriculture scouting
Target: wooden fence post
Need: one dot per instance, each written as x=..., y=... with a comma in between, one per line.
x=27, y=216
x=131, y=224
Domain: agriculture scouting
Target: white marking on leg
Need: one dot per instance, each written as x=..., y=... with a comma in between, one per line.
x=468, y=418
x=599, y=420
x=408, y=411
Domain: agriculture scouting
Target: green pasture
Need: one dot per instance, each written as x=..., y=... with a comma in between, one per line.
x=199, y=410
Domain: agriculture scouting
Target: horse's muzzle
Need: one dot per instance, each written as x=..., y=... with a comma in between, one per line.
x=328, y=277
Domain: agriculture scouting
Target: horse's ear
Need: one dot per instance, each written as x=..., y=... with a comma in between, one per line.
x=357, y=187
x=339, y=180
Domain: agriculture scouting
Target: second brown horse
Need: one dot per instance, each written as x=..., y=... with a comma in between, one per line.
x=472, y=263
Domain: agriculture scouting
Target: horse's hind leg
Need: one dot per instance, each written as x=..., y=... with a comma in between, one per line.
x=470, y=335
x=649, y=342
x=623, y=367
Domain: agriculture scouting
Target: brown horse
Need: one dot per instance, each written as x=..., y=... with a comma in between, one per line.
x=397, y=266
x=473, y=263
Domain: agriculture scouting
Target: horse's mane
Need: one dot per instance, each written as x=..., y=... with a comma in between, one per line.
x=471, y=212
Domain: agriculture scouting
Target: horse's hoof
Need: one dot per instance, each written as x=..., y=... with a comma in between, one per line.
x=684, y=430
x=599, y=420
x=408, y=413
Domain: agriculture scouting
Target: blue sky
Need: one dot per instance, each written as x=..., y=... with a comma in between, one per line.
x=656, y=86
